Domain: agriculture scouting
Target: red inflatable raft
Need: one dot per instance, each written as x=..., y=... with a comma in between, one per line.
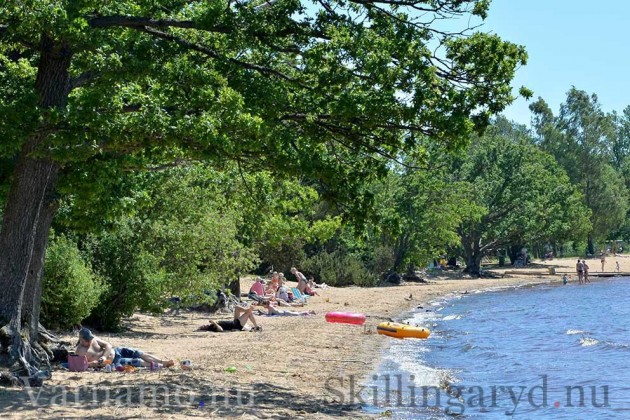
x=345, y=318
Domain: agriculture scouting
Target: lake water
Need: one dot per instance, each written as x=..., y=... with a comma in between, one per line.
x=547, y=351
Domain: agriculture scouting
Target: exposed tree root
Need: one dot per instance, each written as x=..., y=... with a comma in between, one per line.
x=21, y=357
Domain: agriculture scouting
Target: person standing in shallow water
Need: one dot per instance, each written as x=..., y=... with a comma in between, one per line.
x=585, y=269
x=579, y=267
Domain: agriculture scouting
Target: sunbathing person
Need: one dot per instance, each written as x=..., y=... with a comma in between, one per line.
x=99, y=353
x=272, y=310
x=239, y=323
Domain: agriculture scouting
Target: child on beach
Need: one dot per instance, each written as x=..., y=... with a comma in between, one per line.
x=565, y=278
x=617, y=266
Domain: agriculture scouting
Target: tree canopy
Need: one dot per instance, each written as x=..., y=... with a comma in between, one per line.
x=589, y=144
x=332, y=90
x=516, y=193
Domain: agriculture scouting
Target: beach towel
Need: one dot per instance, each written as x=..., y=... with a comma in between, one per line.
x=77, y=363
x=298, y=295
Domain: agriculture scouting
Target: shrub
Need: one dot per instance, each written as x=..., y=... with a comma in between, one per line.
x=381, y=260
x=70, y=289
x=132, y=274
x=339, y=269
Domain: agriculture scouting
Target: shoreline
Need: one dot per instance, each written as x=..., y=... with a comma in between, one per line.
x=395, y=378
x=297, y=367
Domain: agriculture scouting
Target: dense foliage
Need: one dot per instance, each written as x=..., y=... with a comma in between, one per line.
x=71, y=287
x=187, y=143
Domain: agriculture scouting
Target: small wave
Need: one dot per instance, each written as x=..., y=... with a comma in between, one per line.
x=573, y=332
x=616, y=346
x=587, y=341
x=452, y=317
x=467, y=347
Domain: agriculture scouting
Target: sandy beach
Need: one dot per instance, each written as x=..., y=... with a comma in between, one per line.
x=297, y=367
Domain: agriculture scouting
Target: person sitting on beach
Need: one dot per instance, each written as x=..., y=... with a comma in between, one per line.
x=257, y=292
x=100, y=353
x=272, y=310
x=272, y=287
x=282, y=294
x=239, y=323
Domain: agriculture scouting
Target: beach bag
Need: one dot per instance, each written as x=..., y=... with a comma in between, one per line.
x=77, y=363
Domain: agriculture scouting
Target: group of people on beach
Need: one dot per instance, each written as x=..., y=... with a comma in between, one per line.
x=270, y=295
x=273, y=293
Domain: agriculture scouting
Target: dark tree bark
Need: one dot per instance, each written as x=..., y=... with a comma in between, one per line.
x=401, y=251
x=25, y=219
x=591, y=246
x=33, y=288
x=472, y=254
x=235, y=287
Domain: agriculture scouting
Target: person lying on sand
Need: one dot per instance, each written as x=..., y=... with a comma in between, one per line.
x=99, y=353
x=239, y=323
x=272, y=310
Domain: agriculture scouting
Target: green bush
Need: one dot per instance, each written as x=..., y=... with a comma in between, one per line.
x=381, y=259
x=133, y=275
x=339, y=269
x=70, y=289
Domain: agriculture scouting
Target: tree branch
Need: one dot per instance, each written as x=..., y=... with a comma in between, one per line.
x=211, y=53
x=82, y=79
x=141, y=22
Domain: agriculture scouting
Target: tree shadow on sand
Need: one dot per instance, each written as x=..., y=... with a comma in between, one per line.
x=171, y=395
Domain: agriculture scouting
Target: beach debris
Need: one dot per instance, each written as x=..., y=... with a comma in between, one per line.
x=230, y=369
x=409, y=298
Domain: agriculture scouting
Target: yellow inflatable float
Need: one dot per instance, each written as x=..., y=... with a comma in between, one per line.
x=395, y=330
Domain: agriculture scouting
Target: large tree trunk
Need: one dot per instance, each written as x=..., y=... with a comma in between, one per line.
x=402, y=246
x=472, y=254
x=22, y=216
x=33, y=288
x=591, y=246
x=26, y=219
